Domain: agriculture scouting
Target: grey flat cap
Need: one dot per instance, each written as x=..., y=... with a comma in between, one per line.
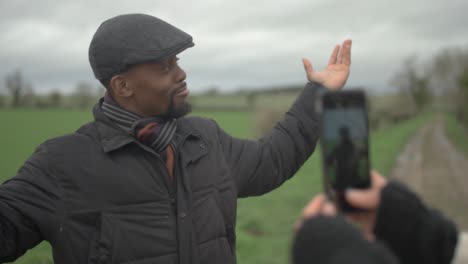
x=132, y=39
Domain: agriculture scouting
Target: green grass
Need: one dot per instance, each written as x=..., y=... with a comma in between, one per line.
x=457, y=133
x=264, y=223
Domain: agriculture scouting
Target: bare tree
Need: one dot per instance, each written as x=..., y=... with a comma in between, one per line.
x=55, y=98
x=16, y=85
x=28, y=97
x=462, y=103
x=446, y=73
x=445, y=69
x=410, y=80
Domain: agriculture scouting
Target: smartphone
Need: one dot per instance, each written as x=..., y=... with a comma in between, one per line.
x=344, y=144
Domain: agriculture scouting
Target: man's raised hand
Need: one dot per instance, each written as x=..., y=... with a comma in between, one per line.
x=335, y=75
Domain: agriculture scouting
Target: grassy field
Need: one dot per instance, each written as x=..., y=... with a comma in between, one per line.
x=457, y=133
x=264, y=223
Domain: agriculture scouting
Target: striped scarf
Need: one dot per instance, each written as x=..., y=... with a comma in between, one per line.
x=151, y=131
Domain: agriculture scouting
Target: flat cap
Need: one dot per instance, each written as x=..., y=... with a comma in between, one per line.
x=130, y=39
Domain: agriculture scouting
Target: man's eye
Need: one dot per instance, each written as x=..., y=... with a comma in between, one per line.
x=165, y=68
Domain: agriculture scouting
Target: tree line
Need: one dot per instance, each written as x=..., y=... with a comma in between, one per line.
x=20, y=94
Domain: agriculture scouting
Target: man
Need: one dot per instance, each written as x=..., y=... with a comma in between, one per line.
x=142, y=183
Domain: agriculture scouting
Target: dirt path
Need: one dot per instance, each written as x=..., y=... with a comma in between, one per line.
x=432, y=167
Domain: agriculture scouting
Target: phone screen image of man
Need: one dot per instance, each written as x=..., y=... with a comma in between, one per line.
x=346, y=147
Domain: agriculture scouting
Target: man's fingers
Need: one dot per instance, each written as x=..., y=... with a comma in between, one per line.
x=318, y=205
x=364, y=199
x=328, y=209
x=307, y=66
x=345, y=53
x=314, y=207
x=378, y=181
x=367, y=198
x=334, y=55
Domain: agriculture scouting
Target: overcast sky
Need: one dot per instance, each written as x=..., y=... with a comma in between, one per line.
x=237, y=43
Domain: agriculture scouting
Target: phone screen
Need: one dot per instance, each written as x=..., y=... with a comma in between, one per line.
x=345, y=141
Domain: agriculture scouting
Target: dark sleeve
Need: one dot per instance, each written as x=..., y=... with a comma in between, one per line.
x=415, y=233
x=324, y=239
x=7, y=239
x=27, y=203
x=262, y=165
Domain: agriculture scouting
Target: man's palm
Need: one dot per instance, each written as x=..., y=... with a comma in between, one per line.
x=336, y=73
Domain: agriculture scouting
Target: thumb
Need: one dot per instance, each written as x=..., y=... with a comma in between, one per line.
x=364, y=199
x=307, y=66
x=314, y=206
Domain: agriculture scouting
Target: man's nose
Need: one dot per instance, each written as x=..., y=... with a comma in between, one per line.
x=180, y=75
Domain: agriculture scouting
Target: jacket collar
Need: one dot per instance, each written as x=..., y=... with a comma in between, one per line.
x=113, y=137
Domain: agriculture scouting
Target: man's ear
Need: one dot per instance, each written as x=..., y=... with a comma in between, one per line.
x=120, y=86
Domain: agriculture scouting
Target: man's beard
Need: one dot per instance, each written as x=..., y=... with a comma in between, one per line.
x=174, y=111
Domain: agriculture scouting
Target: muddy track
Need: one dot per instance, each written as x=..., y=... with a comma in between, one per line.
x=438, y=172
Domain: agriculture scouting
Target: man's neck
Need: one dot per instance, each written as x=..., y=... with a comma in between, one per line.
x=128, y=105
